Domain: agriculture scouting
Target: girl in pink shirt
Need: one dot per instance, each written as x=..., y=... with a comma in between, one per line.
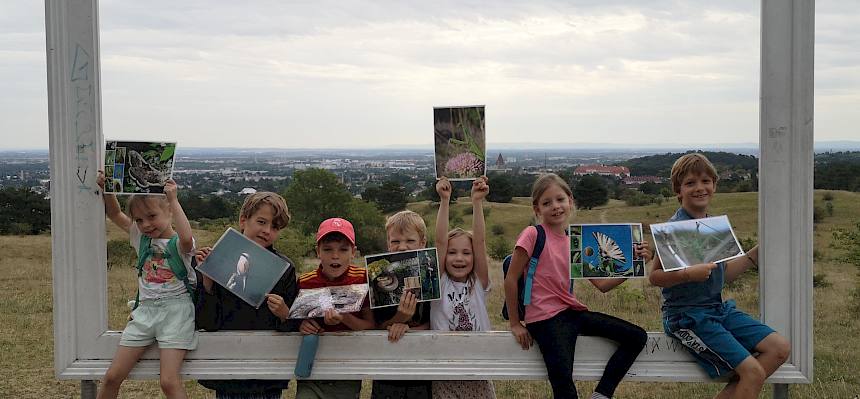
x=555, y=318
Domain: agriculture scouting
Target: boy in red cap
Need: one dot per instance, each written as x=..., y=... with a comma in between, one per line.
x=335, y=250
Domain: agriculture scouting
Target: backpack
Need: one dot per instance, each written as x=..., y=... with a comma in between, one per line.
x=524, y=285
x=173, y=258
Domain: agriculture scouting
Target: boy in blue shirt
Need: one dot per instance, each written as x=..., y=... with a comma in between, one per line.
x=721, y=338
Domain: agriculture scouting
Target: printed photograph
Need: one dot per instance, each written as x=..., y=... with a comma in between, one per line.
x=118, y=171
x=390, y=274
x=460, y=142
x=143, y=167
x=243, y=267
x=116, y=184
x=605, y=251
x=691, y=242
x=314, y=302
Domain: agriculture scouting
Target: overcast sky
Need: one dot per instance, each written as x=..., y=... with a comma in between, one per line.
x=324, y=74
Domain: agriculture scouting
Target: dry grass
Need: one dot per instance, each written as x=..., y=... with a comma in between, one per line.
x=26, y=335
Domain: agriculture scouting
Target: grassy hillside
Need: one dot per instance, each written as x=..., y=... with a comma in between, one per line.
x=26, y=335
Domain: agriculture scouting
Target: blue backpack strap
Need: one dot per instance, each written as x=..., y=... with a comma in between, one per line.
x=540, y=241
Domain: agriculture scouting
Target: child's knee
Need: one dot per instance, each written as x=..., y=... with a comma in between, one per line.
x=781, y=348
x=751, y=370
x=170, y=383
x=113, y=378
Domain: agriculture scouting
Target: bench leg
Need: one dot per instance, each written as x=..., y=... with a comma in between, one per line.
x=88, y=389
x=780, y=391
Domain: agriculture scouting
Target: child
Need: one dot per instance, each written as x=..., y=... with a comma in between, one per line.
x=164, y=310
x=720, y=337
x=335, y=250
x=465, y=282
x=261, y=219
x=555, y=317
x=405, y=231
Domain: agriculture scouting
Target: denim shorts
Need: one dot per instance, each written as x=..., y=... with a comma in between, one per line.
x=168, y=321
x=719, y=337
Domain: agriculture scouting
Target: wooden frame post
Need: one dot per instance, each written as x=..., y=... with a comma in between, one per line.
x=786, y=170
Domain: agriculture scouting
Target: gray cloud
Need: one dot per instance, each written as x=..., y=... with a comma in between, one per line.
x=327, y=73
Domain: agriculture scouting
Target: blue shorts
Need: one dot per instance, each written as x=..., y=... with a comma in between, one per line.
x=720, y=338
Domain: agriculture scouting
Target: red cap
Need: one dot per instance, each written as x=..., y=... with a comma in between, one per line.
x=336, y=225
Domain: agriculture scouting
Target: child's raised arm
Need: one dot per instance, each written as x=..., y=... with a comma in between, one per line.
x=443, y=187
x=180, y=221
x=480, y=189
x=112, y=208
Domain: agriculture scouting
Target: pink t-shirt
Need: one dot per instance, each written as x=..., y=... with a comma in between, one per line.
x=551, y=282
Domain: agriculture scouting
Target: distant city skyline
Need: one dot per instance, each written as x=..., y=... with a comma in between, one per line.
x=328, y=75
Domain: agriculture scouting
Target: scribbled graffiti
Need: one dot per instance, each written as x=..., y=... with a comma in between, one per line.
x=84, y=116
x=662, y=344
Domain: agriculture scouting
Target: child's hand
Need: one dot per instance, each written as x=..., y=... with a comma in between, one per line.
x=522, y=336
x=480, y=188
x=310, y=327
x=406, y=308
x=396, y=331
x=100, y=180
x=170, y=190
x=643, y=251
x=332, y=317
x=201, y=254
x=443, y=187
x=700, y=272
x=277, y=306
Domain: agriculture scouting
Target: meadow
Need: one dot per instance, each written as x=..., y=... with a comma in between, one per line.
x=26, y=334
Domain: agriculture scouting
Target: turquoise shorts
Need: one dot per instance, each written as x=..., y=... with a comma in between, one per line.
x=169, y=321
x=719, y=338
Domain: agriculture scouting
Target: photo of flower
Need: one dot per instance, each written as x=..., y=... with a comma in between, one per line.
x=460, y=142
x=605, y=251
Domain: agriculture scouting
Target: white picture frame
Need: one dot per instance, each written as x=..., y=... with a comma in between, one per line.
x=83, y=346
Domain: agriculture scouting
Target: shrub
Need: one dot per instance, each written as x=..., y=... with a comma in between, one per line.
x=498, y=248
x=20, y=229
x=497, y=229
x=817, y=255
x=819, y=280
x=456, y=219
x=828, y=196
x=747, y=243
x=120, y=253
x=295, y=245
x=817, y=214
